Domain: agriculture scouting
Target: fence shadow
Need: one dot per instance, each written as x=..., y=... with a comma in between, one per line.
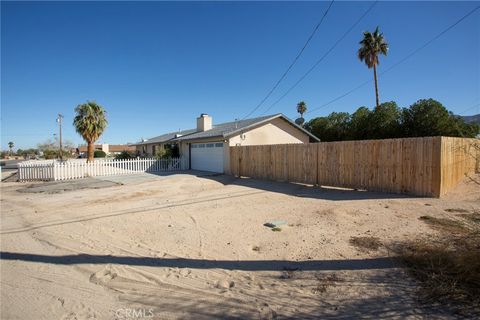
x=306, y=191
x=243, y=265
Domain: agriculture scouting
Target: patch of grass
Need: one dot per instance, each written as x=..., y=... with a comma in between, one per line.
x=366, y=243
x=276, y=229
x=324, y=282
x=444, y=224
x=472, y=217
x=448, y=269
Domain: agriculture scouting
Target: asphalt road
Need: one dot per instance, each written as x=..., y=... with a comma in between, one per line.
x=8, y=165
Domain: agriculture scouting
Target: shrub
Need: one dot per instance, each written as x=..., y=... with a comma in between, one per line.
x=366, y=243
x=50, y=154
x=99, y=154
x=448, y=267
x=163, y=153
x=125, y=155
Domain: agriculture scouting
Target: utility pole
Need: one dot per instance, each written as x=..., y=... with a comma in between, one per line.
x=59, y=120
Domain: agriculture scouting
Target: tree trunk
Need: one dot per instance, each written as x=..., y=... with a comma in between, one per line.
x=90, y=151
x=376, y=84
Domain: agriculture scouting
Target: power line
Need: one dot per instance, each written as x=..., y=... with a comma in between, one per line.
x=293, y=62
x=469, y=108
x=322, y=58
x=401, y=61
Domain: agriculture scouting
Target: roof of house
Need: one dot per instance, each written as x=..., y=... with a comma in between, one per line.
x=166, y=137
x=111, y=147
x=84, y=148
x=120, y=148
x=223, y=130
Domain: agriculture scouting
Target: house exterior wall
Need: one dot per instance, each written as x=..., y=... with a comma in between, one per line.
x=276, y=131
x=149, y=152
x=184, y=147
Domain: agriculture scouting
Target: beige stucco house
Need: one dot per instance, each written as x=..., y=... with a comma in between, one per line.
x=207, y=146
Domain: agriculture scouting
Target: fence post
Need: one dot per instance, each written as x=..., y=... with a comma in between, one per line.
x=317, y=182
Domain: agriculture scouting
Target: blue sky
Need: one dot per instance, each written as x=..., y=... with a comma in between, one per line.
x=155, y=66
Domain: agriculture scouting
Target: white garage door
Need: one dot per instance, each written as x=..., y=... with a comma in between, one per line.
x=207, y=156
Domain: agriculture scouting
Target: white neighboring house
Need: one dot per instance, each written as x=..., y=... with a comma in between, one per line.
x=109, y=149
x=207, y=146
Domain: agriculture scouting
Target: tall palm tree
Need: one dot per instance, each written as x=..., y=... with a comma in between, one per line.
x=10, y=146
x=301, y=108
x=371, y=46
x=90, y=122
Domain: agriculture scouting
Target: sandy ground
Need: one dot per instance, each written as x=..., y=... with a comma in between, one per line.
x=188, y=247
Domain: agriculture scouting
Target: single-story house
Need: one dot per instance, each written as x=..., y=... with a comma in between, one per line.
x=109, y=149
x=207, y=146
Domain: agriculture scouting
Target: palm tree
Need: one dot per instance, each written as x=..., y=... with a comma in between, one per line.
x=90, y=122
x=371, y=46
x=301, y=108
x=10, y=146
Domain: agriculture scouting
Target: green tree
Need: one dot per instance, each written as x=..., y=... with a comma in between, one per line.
x=334, y=127
x=428, y=117
x=371, y=46
x=99, y=154
x=301, y=108
x=90, y=122
x=424, y=118
x=10, y=146
x=164, y=152
x=51, y=148
x=463, y=128
x=385, y=121
x=359, y=127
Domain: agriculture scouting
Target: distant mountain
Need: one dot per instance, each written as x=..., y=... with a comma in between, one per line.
x=472, y=119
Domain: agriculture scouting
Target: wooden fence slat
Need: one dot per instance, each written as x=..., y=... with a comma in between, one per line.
x=428, y=166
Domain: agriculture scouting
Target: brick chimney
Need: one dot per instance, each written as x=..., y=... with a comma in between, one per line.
x=204, y=122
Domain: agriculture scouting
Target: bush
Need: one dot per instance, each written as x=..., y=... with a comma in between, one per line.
x=125, y=155
x=164, y=153
x=424, y=118
x=99, y=154
x=50, y=154
x=448, y=267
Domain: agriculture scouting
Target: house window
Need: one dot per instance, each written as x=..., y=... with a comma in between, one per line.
x=218, y=145
x=209, y=145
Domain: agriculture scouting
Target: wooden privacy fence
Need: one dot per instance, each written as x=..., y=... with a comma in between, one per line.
x=76, y=169
x=427, y=166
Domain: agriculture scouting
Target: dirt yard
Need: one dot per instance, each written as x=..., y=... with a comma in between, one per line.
x=188, y=247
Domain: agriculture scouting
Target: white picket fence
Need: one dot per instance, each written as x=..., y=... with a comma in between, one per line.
x=54, y=170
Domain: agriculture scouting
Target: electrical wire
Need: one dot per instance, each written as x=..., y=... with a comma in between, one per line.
x=292, y=64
